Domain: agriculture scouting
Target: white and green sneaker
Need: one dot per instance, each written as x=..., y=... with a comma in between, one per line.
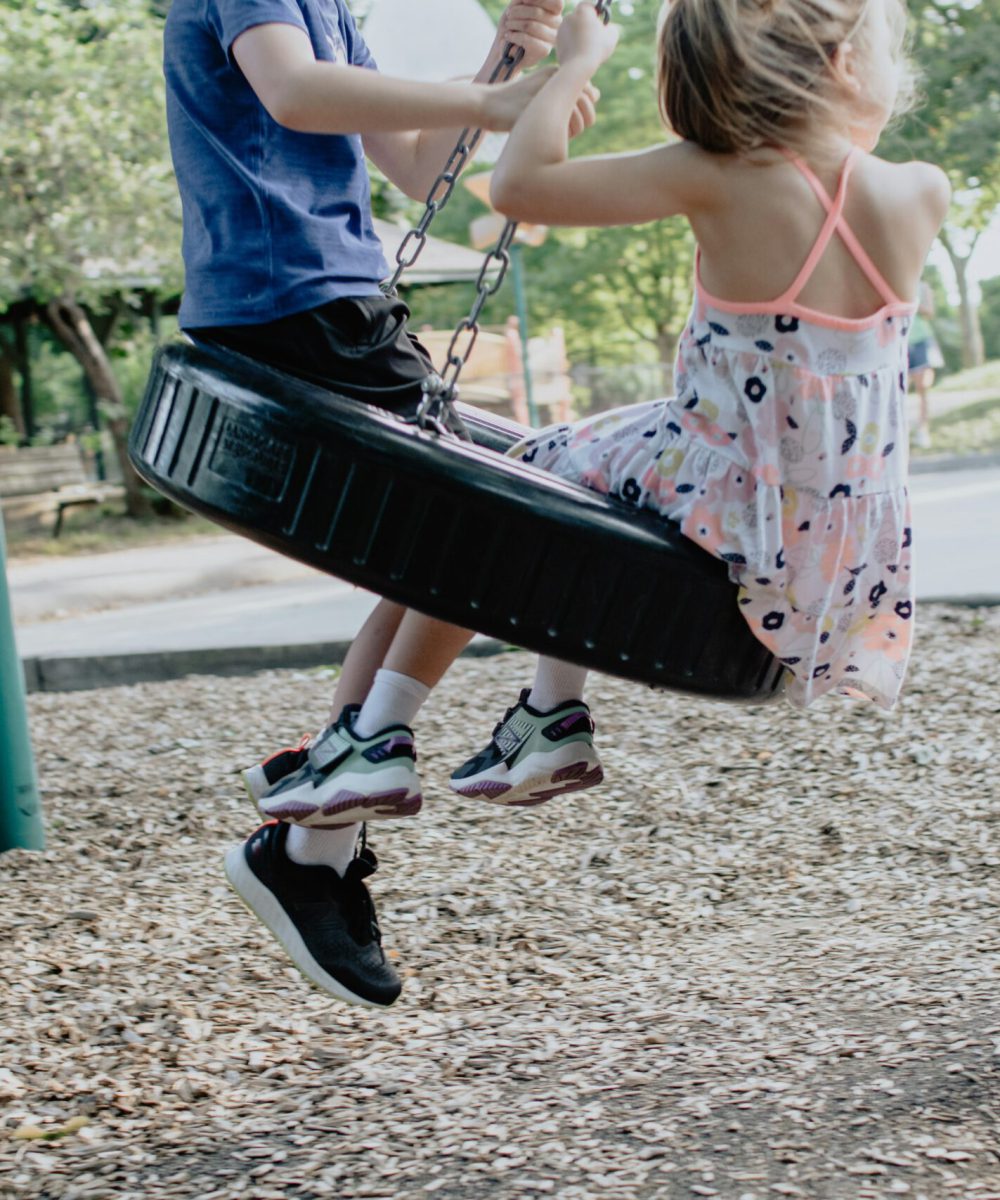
x=345, y=779
x=534, y=756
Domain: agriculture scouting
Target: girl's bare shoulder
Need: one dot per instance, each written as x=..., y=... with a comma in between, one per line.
x=918, y=187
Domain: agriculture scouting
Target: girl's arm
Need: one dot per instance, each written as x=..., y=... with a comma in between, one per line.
x=536, y=181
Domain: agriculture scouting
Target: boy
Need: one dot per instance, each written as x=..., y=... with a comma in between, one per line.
x=272, y=106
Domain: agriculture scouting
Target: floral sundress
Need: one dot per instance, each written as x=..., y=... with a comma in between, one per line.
x=785, y=454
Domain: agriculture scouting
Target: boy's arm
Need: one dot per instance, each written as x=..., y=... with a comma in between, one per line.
x=310, y=96
x=413, y=159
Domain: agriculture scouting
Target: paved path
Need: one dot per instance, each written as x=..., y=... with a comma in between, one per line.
x=43, y=589
x=227, y=603
x=957, y=518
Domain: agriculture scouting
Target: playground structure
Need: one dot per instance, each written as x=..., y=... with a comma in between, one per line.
x=20, y=810
x=495, y=376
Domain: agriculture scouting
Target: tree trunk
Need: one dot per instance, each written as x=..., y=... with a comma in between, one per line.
x=973, y=354
x=73, y=328
x=10, y=406
x=22, y=357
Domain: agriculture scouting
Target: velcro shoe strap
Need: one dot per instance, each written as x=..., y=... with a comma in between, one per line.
x=329, y=751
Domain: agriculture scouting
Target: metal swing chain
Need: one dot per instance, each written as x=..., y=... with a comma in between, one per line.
x=442, y=188
x=441, y=390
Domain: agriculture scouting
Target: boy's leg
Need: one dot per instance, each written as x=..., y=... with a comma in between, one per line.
x=306, y=884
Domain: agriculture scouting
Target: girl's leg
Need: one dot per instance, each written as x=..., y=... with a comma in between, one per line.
x=366, y=655
x=420, y=653
x=556, y=683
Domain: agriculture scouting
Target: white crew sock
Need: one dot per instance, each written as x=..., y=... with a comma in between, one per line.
x=394, y=699
x=555, y=683
x=322, y=847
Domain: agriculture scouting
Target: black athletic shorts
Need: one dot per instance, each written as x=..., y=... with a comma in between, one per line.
x=358, y=346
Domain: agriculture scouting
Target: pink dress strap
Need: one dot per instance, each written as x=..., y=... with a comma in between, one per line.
x=835, y=223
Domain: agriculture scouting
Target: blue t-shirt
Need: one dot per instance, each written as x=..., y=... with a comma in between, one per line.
x=275, y=222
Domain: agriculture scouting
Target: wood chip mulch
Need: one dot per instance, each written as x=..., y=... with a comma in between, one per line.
x=762, y=961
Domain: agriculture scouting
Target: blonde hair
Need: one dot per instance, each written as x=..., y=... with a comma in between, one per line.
x=736, y=75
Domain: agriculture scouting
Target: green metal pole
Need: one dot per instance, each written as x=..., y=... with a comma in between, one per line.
x=20, y=808
x=521, y=303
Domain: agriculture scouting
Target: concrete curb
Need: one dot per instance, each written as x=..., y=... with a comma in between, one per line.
x=952, y=462
x=984, y=600
x=70, y=674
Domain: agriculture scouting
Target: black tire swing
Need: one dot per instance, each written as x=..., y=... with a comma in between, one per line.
x=449, y=528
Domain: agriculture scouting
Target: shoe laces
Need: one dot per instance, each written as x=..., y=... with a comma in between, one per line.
x=356, y=898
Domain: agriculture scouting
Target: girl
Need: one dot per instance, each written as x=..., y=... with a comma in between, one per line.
x=784, y=450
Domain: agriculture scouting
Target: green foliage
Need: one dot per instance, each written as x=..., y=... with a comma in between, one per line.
x=8, y=432
x=131, y=356
x=989, y=316
x=89, y=199
x=972, y=429
x=957, y=122
x=58, y=393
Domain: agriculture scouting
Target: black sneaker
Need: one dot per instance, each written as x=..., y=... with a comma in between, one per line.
x=325, y=923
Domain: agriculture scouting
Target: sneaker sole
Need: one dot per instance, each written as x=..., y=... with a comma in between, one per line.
x=261, y=902
x=535, y=782
x=348, y=804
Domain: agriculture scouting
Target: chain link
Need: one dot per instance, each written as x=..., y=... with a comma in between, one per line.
x=444, y=185
x=440, y=390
